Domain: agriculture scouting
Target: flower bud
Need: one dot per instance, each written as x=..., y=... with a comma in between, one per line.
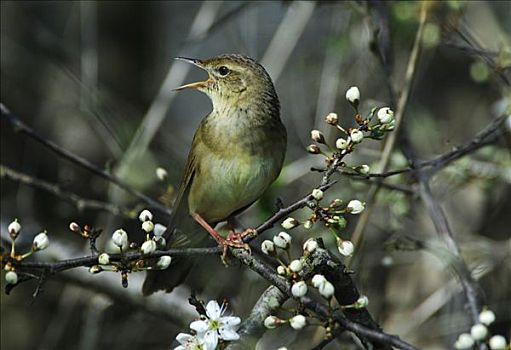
x=479, y=331
x=148, y=247
x=363, y=169
x=159, y=229
x=332, y=118
x=497, y=342
x=271, y=322
x=356, y=135
x=317, y=136
x=40, y=242
x=341, y=143
x=281, y=270
x=11, y=277
x=317, y=280
x=355, y=207
x=487, y=317
x=120, y=238
x=308, y=224
x=297, y=322
x=362, y=302
x=385, y=115
x=326, y=289
x=104, y=259
x=353, y=95
x=346, y=248
x=163, y=262
x=290, y=223
x=299, y=289
x=267, y=247
x=147, y=226
x=95, y=269
x=160, y=241
x=317, y=194
x=313, y=149
x=13, y=229
x=74, y=227
x=161, y=173
x=310, y=245
x=145, y=215
x=296, y=265
x=464, y=341
x=282, y=240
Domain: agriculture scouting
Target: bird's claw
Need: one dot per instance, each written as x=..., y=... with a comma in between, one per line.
x=235, y=240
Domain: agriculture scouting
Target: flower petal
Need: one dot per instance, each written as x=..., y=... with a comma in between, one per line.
x=213, y=310
x=199, y=326
x=210, y=340
x=230, y=321
x=227, y=333
x=180, y=347
x=184, y=337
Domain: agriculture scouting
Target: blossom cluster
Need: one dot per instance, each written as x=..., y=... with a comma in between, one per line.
x=479, y=333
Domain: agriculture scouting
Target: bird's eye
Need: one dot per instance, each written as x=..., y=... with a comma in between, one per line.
x=223, y=70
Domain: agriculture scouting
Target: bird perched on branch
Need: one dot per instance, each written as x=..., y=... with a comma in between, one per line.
x=236, y=153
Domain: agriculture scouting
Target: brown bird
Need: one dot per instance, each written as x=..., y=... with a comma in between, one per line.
x=236, y=153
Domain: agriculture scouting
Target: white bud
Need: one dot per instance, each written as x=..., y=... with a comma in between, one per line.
x=290, y=223
x=317, y=136
x=145, y=215
x=282, y=240
x=385, y=115
x=73, y=226
x=161, y=173
x=497, y=342
x=332, y=118
x=479, y=331
x=120, y=238
x=159, y=229
x=163, y=262
x=267, y=247
x=341, y=143
x=326, y=289
x=346, y=248
x=281, y=270
x=357, y=135
x=14, y=228
x=282, y=348
x=160, y=241
x=353, y=95
x=297, y=322
x=299, y=289
x=317, y=280
x=296, y=265
x=364, y=169
x=362, y=302
x=104, y=259
x=487, y=317
x=464, y=341
x=148, y=247
x=310, y=245
x=317, y=194
x=11, y=277
x=308, y=224
x=41, y=241
x=147, y=226
x=355, y=207
x=271, y=322
x=95, y=269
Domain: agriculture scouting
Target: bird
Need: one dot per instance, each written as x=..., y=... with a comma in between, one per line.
x=237, y=152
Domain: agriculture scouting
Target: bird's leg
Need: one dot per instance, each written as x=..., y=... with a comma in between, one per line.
x=232, y=222
x=233, y=238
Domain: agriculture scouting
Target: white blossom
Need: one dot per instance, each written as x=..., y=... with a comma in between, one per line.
x=95, y=269
x=296, y=265
x=479, y=331
x=299, y=289
x=159, y=229
x=147, y=226
x=353, y=95
x=297, y=322
x=497, y=342
x=326, y=289
x=362, y=302
x=192, y=342
x=364, y=169
x=308, y=224
x=342, y=143
x=145, y=215
x=317, y=136
x=163, y=262
x=11, y=277
x=332, y=118
x=356, y=135
x=310, y=245
x=385, y=115
x=104, y=259
x=74, y=227
x=317, y=280
x=148, y=247
x=271, y=322
x=487, y=317
x=317, y=194
x=14, y=228
x=346, y=248
x=290, y=223
x=267, y=247
x=161, y=173
x=281, y=270
x=355, y=206
x=120, y=238
x=282, y=240
x=41, y=241
x=464, y=341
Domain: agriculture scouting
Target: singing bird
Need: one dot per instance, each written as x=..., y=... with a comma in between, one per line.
x=236, y=153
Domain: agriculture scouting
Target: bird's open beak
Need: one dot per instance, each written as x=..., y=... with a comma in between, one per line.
x=198, y=85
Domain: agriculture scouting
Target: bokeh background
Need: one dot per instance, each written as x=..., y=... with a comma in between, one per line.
x=97, y=78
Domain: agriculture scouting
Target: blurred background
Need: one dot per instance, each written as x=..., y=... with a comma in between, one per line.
x=97, y=79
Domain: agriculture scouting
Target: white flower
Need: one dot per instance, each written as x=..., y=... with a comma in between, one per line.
x=120, y=238
x=190, y=342
x=73, y=226
x=41, y=241
x=342, y=143
x=104, y=259
x=317, y=280
x=364, y=169
x=282, y=240
x=464, y=341
x=317, y=136
x=317, y=194
x=487, y=317
x=145, y=215
x=147, y=226
x=163, y=262
x=271, y=322
x=282, y=348
x=313, y=149
x=267, y=247
x=310, y=245
x=308, y=224
x=299, y=289
x=11, y=277
x=497, y=342
x=296, y=265
x=148, y=247
x=161, y=173
x=297, y=322
x=353, y=95
x=289, y=223
x=95, y=269
x=346, y=248
x=356, y=135
x=362, y=302
x=478, y=331
x=355, y=207
x=281, y=270
x=326, y=289
x=159, y=229
x=385, y=115
x=332, y=118
x=216, y=326
x=14, y=228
